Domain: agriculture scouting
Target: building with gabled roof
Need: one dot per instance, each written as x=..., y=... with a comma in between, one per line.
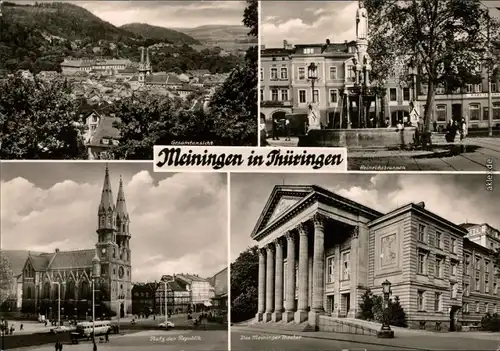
x=42, y=272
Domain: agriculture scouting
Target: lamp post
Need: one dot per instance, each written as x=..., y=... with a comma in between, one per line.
x=385, y=331
x=165, y=283
x=96, y=273
x=58, y=303
x=312, y=76
x=119, y=309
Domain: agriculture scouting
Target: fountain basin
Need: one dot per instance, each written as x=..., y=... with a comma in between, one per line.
x=357, y=138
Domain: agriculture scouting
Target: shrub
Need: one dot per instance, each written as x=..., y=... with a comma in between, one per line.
x=490, y=322
x=371, y=309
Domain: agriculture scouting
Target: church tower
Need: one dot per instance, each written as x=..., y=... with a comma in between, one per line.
x=144, y=66
x=113, y=249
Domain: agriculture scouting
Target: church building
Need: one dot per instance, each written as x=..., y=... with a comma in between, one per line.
x=70, y=273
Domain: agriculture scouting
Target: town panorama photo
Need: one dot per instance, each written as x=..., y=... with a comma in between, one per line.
x=108, y=80
x=403, y=85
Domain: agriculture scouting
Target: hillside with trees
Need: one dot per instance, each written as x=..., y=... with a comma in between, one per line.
x=159, y=33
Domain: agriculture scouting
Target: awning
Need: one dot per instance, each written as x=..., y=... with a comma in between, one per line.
x=207, y=303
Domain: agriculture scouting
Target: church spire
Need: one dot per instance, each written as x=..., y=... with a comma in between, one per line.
x=107, y=194
x=121, y=206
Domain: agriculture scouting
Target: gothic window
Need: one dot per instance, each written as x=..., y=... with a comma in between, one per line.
x=102, y=221
x=114, y=253
x=85, y=290
x=70, y=290
x=109, y=221
x=46, y=290
x=28, y=292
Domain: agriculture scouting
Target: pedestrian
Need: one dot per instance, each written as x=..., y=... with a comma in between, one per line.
x=107, y=336
x=463, y=129
x=56, y=346
x=287, y=129
x=95, y=346
x=275, y=129
x=45, y=322
x=60, y=346
x=21, y=327
x=388, y=122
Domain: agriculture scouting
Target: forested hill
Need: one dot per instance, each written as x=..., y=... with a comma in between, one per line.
x=39, y=36
x=62, y=20
x=159, y=33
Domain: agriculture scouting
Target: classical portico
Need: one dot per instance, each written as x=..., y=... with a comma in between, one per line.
x=313, y=255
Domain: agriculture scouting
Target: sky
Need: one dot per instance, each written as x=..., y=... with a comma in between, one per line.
x=178, y=221
x=305, y=22
x=169, y=14
x=458, y=198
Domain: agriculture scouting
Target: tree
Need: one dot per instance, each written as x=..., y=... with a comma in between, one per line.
x=147, y=120
x=38, y=121
x=443, y=39
x=7, y=283
x=233, y=107
x=244, y=284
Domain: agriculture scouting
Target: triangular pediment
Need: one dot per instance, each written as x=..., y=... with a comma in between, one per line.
x=282, y=199
x=283, y=204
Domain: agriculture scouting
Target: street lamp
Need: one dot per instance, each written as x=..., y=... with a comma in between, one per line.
x=385, y=331
x=96, y=273
x=58, y=303
x=312, y=75
x=120, y=299
x=165, y=283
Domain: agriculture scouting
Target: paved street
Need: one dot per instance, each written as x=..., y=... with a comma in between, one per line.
x=476, y=154
x=243, y=339
x=186, y=340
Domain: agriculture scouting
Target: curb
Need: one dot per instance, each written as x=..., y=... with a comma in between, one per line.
x=320, y=337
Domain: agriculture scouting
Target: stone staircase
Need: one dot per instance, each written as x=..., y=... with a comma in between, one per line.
x=302, y=327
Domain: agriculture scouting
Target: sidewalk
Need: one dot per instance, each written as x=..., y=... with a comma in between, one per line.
x=412, y=340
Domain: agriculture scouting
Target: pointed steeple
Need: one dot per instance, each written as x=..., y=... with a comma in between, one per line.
x=121, y=206
x=107, y=194
x=147, y=58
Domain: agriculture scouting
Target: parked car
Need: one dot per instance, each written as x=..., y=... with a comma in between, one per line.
x=61, y=329
x=166, y=325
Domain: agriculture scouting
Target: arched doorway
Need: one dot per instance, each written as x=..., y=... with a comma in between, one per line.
x=278, y=126
x=122, y=310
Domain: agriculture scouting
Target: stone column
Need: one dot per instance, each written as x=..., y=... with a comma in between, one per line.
x=318, y=269
x=290, y=276
x=262, y=285
x=301, y=314
x=269, y=283
x=319, y=263
x=348, y=112
x=354, y=273
x=278, y=296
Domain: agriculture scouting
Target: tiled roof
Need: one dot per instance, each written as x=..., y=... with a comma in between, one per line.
x=190, y=278
x=40, y=262
x=156, y=78
x=128, y=70
x=105, y=130
x=72, y=259
x=17, y=259
x=198, y=71
x=175, y=286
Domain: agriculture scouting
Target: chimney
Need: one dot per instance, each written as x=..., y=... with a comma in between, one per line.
x=421, y=204
x=57, y=250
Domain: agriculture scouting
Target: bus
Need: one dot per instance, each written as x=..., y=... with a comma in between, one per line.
x=85, y=329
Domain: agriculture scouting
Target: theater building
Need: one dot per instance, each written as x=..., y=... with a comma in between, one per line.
x=319, y=252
